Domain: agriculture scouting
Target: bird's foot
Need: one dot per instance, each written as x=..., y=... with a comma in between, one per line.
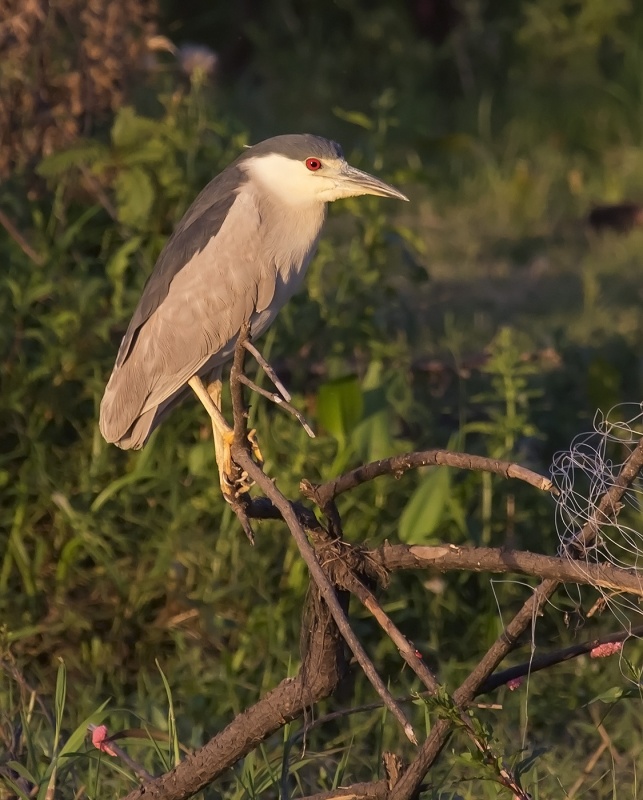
x=254, y=444
x=234, y=480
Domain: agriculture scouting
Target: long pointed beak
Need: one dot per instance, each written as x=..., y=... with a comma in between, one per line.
x=363, y=183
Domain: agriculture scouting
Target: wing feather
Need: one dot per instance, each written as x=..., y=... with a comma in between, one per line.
x=196, y=323
x=200, y=223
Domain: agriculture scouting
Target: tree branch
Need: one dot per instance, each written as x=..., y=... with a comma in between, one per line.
x=319, y=675
x=489, y=559
x=556, y=657
x=242, y=457
x=398, y=465
x=608, y=507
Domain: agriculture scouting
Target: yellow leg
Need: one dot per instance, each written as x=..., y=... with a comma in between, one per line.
x=222, y=433
x=233, y=481
x=222, y=437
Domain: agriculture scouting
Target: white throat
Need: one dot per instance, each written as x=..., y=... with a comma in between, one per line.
x=287, y=180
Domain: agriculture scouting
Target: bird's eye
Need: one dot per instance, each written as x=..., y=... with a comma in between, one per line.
x=313, y=164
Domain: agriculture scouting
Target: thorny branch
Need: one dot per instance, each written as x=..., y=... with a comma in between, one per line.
x=398, y=465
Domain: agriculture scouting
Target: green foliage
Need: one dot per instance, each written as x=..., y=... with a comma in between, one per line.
x=481, y=313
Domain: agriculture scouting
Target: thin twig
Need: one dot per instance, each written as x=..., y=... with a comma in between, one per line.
x=497, y=680
x=587, y=771
x=414, y=660
x=597, y=719
x=408, y=652
x=547, y=660
x=244, y=460
x=278, y=400
x=20, y=240
x=265, y=366
x=398, y=465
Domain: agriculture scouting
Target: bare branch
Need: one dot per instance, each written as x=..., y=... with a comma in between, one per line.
x=398, y=465
x=114, y=750
x=244, y=460
x=265, y=366
x=488, y=559
x=278, y=400
x=556, y=657
x=609, y=506
x=318, y=677
x=374, y=790
x=497, y=680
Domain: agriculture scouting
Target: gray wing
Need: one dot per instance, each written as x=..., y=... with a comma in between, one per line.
x=195, y=323
x=200, y=223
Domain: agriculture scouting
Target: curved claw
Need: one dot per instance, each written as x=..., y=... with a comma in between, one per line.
x=234, y=481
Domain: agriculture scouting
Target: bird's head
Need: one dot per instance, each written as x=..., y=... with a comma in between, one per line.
x=302, y=169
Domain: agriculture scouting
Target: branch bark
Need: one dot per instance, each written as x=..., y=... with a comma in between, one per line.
x=448, y=557
x=243, y=459
x=398, y=465
x=321, y=670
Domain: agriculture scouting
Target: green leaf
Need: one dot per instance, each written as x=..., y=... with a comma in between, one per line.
x=14, y=787
x=134, y=195
x=355, y=118
x=59, y=701
x=59, y=163
x=16, y=766
x=340, y=404
x=425, y=508
x=372, y=437
x=70, y=747
x=129, y=130
x=609, y=696
x=117, y=267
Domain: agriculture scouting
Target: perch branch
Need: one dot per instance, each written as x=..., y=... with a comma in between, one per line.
x=244, y=460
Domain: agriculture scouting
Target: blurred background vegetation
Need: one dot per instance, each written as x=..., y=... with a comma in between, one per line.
x=486, y=315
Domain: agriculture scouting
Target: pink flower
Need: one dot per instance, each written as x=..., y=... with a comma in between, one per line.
x=100, y=740
x=514, y=683
x=605, y=650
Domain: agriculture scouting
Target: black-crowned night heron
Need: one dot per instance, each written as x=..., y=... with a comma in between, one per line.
x=237, y=256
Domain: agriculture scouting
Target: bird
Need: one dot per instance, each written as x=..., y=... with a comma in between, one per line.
x=235, y=258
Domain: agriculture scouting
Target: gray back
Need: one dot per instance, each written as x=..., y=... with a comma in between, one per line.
x=204, y=218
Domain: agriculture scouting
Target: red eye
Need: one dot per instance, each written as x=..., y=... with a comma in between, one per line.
x=313, y=164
